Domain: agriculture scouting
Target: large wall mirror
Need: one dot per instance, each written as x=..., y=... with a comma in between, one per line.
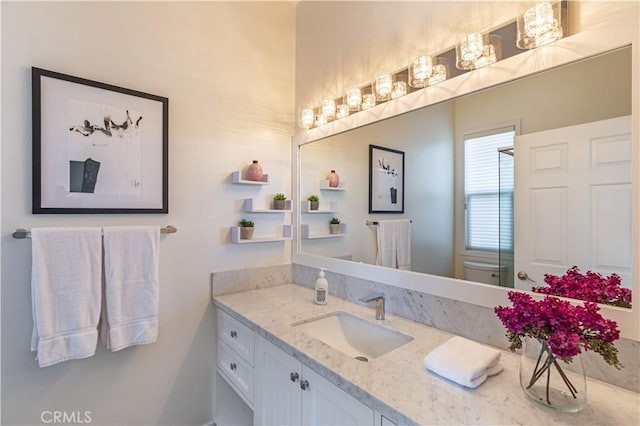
x=549, y=106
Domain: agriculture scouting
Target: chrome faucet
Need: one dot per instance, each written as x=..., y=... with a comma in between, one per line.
x=379, y=299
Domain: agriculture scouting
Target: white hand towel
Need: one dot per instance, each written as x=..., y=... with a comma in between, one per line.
x=394, y=244
x=131, y=260
x=464, y=361
x=66, y=284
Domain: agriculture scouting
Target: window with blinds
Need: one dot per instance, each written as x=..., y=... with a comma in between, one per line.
x=488, y=190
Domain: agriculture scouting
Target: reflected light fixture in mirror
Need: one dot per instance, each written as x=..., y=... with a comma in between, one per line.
x=539, y=25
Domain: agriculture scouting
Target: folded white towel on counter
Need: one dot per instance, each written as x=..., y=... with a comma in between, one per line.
x=66, y=281
x=131, y=288
x=464, y=361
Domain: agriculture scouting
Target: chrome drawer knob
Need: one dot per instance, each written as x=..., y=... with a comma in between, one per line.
x=304, y=385
x=293, y=376
x=233, y=366
x=234, y=334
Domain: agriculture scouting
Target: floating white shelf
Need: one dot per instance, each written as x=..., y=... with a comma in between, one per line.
x=250, y=207
x=305, y=207
x=236, y=177
x=324, y=186
x=235, y=236
x=304, y=232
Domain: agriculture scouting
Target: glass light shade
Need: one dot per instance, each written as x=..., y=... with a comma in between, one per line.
x=353, y=98
x=399, y=87
x=440, y=71
x=491, y=52
x=420, y=69
x=306, y=117
x=328, y=108
x=342, y=111
x=368, y=100
x=383, y=85
x=469, y=57
x=321, y=120
x=469, y=48
x=539, y=25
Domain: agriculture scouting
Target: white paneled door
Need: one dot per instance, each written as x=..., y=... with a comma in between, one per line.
x=573, y=200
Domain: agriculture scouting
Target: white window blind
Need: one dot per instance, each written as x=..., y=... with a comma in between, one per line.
x=485, y=181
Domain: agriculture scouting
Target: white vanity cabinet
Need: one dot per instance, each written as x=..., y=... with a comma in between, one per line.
x=290, y=393
x=235, y=350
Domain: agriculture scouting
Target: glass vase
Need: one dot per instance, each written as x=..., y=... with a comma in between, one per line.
x=551, y=381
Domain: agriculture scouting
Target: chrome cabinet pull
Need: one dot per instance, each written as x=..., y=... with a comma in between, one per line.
x=304, y=385
x=234, y=334
x=293, y=376
x=233, y=366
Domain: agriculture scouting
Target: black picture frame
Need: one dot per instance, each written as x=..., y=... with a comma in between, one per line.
x=97, y=148
x=386, y=180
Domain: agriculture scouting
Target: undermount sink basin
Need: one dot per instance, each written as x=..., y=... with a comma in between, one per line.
x=353, y=336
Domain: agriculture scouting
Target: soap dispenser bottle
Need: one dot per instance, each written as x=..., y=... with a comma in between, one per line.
x=322, y=288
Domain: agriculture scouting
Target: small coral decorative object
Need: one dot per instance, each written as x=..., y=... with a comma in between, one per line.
x=254, y=171
x=334, y=179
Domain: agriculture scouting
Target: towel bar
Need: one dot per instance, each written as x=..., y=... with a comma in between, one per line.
x=375, y=222
x=23, y=233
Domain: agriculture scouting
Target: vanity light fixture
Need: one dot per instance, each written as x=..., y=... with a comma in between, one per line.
x=539, y=25
x=382, y=86
x=342, y=111
x=420, y=69
x=440, y=71
x=321, y=120
x=353, y=98
x=426, y=71
x=477, y=50
x=368, y=101
x=306, y=117
x=399, y=87
x=328, y=108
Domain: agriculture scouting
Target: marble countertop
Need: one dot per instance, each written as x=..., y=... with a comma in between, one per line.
x=397, y=384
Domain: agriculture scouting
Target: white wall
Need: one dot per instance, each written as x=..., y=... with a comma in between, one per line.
x=228, y=71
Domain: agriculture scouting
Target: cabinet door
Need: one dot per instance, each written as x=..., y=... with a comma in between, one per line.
x=277, y=386
x=323, y=403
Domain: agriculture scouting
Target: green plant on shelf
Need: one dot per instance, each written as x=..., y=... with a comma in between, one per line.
x=313, y=198
x=279, y=197
x=335, y=221
x=246, y=223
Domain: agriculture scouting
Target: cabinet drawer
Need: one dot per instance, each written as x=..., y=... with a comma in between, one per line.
x=237, y=335
x=235, y=369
